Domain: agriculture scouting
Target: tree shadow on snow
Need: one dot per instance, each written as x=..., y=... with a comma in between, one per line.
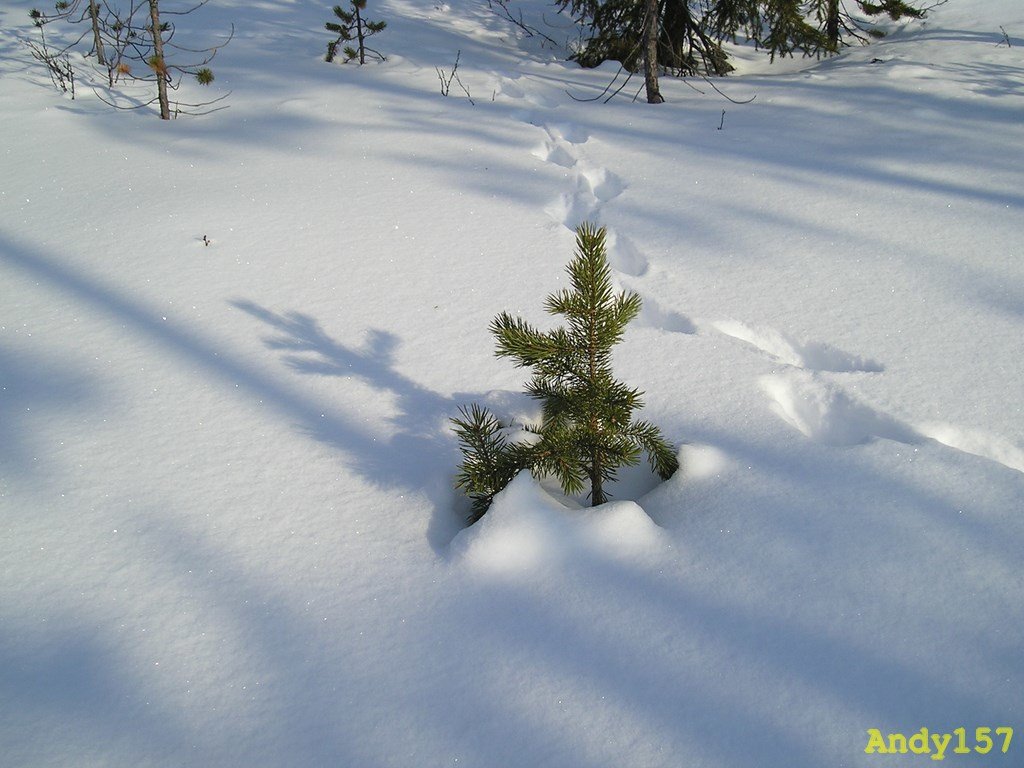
x=418, y=454
x=681, y=666
x=30, y=383
x=70, y=676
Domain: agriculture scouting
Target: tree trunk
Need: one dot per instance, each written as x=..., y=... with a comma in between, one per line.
x=651, y=28
x=97, y=41
x=596, y=465
x=360, y=35
x=832, y=24
x=159, y=64
x=596, y=489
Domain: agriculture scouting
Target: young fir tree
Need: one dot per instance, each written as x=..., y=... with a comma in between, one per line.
x=587, y=431
x=351, y=24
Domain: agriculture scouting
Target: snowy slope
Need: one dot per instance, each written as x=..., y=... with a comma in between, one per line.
x=228, y=530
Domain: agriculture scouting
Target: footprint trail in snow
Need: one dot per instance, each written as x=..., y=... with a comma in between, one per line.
x=799, y=393
x=812, y=355
x=827, y=414
x=590, y=188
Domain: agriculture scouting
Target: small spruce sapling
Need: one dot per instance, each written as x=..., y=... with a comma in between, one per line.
x=587, y=431
x=352, y=26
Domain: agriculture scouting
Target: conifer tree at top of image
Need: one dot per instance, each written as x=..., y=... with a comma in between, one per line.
x=587, y=431
x=352, y=27
x=686, y=38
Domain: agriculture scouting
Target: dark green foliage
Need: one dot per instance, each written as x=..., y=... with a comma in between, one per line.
x=691, y=33
x=781, y=27
x=840, y=24
x=894, y=9
x=351, y=26
x=789, y=31
x=489, y=461
x=587, y=431
x=617, y=34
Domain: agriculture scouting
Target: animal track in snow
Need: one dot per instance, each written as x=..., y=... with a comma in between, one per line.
x=812, y=355
x=575, y=207
x=819, y=409
x=624, y=256
x=507, y=87
x=653, y=315
x=603, y=183
x=590, y=188
x=556, y=153
x=826, y=414
x=567, y=132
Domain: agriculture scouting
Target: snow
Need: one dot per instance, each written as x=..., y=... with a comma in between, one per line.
x=229, y=534
x=527, y=532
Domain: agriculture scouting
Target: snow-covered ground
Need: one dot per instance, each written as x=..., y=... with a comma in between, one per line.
x=228, y=535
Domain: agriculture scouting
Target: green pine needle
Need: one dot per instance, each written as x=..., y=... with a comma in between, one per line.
x=352, y=26
x=587, y=432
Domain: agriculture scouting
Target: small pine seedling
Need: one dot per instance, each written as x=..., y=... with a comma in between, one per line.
x=351, y=26
x=587, y=430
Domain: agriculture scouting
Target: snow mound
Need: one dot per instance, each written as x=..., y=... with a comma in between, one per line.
x=527, y=531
